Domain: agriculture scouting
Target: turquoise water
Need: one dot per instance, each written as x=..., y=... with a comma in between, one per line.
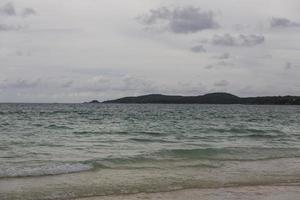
x=168, y=146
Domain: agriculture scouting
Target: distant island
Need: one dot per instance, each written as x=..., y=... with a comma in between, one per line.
x=212, y=98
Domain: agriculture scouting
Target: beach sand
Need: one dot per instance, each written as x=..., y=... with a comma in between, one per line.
x=228, y=193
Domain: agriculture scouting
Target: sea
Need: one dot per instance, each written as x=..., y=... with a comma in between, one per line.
x=69, y=151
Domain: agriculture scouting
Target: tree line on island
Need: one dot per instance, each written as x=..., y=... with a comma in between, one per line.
x=212, y=98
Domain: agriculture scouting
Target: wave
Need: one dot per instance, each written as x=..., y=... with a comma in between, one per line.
x=149, y=140
x=151, y=133
x=244, y=130
x=259, y=136
x=167, y=159
x=86, y=132
x=55, y=112
x=54, y=126
x=204, y=157
x=232, y=154
x=43, y=170
x=100, y=132
x=263, y=136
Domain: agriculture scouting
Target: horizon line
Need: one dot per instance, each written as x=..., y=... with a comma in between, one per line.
x=87, y=101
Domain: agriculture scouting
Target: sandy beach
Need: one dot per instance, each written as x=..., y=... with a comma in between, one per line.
x=229, y=193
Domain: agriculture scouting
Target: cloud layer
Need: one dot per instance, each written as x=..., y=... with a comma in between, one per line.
x=278, y=22
x=8, y=10
x=51, y=52
x=222, y=83
x=198, y=49
x=4, y=27
x=240, y=40
x=181, y=20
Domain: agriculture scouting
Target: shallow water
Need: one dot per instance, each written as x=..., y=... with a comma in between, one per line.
x=101, y=149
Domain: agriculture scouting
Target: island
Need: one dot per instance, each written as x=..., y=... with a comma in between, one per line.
x=94, y=101
x=211, y=98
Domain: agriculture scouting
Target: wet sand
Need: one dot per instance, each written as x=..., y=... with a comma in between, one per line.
x=272, y=179
x=229, y=193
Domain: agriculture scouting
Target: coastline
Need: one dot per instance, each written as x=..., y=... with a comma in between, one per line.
x=263, y=192
x=237, y=180
x=210, y=98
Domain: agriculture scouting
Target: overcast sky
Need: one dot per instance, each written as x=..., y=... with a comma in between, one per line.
x=79, y=50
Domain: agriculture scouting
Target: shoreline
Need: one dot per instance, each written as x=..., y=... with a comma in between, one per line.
x=261, y=192
x=239, y=180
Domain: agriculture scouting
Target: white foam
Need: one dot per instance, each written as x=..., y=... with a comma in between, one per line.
x=41, y=170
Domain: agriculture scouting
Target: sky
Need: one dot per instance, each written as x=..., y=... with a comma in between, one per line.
x=80, y=50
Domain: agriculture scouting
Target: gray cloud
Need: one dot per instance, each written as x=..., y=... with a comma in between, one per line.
x=288, y=66
x=220, y=65
x=224, y=40
x=20, y=84
x=8, y=10
x=137, y=84
x=223, y=56
x=241, y=40
x=198, y=49
x=266, y=56
x=67, y=84
x=225, y=63
x=180, y=20
x=186, y=88
x=22, y=53
x=26, y=12
x=277, y=22
x=111, y=84
x=222, y=83
x=209, y=66
x=251, y=40
x=4, y=27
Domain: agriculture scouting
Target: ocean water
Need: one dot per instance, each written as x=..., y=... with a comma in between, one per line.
x=63, y=151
